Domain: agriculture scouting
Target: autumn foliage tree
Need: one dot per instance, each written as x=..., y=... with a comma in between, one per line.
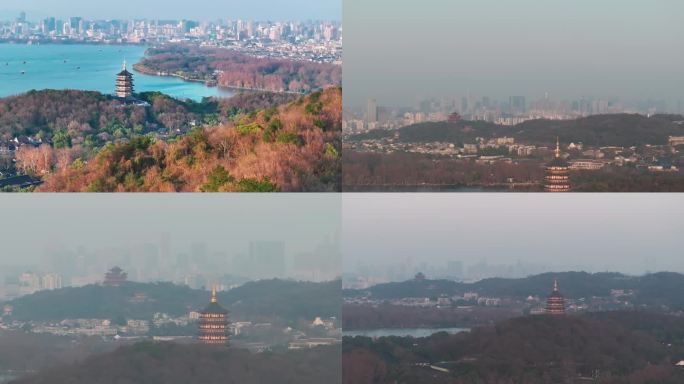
x=294, y=147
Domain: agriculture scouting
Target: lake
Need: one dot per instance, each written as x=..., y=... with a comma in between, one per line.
x=403, y=332
x=86, y=67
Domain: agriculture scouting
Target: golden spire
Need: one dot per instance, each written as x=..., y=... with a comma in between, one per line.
x=124, y=64
x=555, y=285
x=558, y=151
x=213, y=294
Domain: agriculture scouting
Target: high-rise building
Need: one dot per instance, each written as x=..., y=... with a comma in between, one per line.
x=51, y=281
x=455, y=269
x=372, y=112
x=75, y=23
x=29, y=283
x=213, y=323
x=267, y=259
x=557, y=177
x=555, y=303
x=517, y=105
x=464, y=105
x=124, y=83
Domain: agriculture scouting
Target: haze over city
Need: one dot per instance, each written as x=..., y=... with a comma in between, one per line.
x=205, y=10
x=182, y=234
x=632, y=234
x=400, y=52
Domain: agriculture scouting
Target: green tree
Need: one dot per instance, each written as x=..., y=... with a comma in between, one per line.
x=217, y=178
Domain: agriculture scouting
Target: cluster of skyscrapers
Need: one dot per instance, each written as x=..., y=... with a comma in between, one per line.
x=324, y=38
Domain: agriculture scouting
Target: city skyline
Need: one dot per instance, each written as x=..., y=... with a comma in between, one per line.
x=213, y=9
x=499, y=50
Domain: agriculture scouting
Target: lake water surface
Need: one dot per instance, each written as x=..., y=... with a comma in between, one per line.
x=85, y=67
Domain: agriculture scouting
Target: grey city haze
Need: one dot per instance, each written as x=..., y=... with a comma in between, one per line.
x=204, y=234
x=177, y=9
x=628, y=233
x=400, y=51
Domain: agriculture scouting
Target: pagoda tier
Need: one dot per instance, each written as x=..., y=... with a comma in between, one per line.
x=557, y=177
x=124, y=83
x=555, y=303
x=213, y=323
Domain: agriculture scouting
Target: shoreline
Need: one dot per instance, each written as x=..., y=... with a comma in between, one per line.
x=139, y=67
x=70, y=42
x=142, y=69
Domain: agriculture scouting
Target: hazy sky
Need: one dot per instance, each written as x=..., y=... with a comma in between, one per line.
x=34, y=223
x=630, y=233
x=399, y=51
x=177, y=9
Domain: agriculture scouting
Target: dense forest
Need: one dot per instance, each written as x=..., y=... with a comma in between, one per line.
x=371, y=171
x=369, y=317
x=618, y=347
x=410, y=172
x=68, y=118
x=287, y=302
x=168, y=363
x=655, y=290
x=24, y=351
x=624, y=130
x=292, y=147
x=238, y=70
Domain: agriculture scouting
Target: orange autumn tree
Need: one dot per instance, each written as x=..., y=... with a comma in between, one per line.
x=294, y=147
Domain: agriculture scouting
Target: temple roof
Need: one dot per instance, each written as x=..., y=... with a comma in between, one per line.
x=557, y=162
x=214, y=308
x=556, y=290
x=124, y=73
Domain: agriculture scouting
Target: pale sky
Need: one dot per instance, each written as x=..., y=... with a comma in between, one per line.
x=177, y=9
x=629, y=233
x=34, y=223
x=400, y=51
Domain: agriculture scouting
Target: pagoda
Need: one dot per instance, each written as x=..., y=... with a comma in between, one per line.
x=115, y=277
x=555, y=303
x=213, y=323
x=124, y=83
x=557, y=177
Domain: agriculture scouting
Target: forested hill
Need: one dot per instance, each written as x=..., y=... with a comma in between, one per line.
x=69, y=117
x=294, y=147
x=624, y=130
x=239, y=70
x=616, y=347
x=653, y=289
x=168, y=363
x=288, y=301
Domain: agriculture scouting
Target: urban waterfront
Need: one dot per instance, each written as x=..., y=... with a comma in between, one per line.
x=404, y=332
x=91, y=67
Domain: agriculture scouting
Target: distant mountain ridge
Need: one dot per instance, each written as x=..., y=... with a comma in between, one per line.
x=665, y=288
x=598, y=130
x=287, y=300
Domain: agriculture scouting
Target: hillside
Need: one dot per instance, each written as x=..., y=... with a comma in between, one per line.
x=599, y=130
x=68, y=118
x=652, y=290
x=286, y=301
x=294, y=147
x=615, y=348
x=239, y=70
x=167, y=363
